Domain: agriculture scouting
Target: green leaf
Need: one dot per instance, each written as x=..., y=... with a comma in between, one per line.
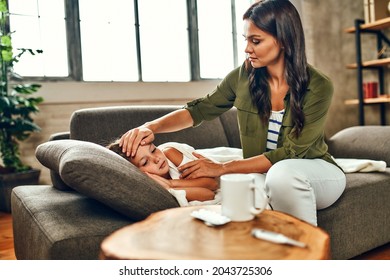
x=37, y=100
x=6, y=55
x=3, y=6
x=4, y=102
x=6, y=41
x=22, y=127
x=26, y=88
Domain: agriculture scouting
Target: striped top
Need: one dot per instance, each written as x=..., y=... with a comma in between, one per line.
x=275, y=122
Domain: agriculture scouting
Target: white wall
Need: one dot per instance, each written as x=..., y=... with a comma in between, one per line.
x=82, y=92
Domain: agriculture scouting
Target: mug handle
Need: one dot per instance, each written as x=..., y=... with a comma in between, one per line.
x=254, y=210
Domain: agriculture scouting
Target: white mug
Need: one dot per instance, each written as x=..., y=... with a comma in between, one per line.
x=239, y=197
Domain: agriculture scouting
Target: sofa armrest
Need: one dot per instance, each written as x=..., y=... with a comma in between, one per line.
x=362, y=142
x=60, y=136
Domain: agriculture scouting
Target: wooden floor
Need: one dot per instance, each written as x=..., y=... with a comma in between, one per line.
x=7, y=243
x=6, y=237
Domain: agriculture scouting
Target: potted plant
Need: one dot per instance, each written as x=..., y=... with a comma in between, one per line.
x=17, y=104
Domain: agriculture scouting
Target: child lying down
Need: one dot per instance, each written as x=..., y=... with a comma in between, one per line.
x=161, y=164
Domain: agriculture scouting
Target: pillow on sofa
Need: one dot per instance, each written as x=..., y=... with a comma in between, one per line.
x=105, y=176
x=361, y=142
x=48, y=156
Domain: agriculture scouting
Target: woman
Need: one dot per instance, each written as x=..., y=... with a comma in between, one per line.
x=282, y=103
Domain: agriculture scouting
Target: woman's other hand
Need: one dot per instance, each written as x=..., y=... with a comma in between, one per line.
x=202, y=167
x=131, y=140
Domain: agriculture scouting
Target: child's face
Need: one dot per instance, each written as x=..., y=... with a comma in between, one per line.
x=150, y=159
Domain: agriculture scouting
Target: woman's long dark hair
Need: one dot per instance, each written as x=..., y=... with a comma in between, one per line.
x=280, y=19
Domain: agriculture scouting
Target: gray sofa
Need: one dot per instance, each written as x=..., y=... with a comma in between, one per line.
x=70, y=219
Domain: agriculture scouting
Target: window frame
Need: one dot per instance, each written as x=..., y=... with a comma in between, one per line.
x=73, y=39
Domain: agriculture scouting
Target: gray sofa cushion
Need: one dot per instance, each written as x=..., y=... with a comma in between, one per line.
x=105, y=176
x=359, y=220
x=362, y=142
x=50, y=224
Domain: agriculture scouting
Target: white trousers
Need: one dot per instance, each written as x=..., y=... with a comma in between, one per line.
x=300, y=187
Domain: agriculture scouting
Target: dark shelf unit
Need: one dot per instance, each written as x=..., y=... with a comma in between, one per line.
x=372, y=28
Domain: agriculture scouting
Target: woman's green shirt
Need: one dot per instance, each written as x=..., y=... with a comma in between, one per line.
x=234, y=91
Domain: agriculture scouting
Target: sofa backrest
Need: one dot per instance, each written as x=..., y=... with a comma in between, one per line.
x=105, y=124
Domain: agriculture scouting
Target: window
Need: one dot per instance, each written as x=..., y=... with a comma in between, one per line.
x=108, y=48
x=124, y=40
x=35, y=24
x=164, y=40
x=215, y=38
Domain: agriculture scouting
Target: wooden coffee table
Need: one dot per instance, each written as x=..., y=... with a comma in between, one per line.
x=174, y=234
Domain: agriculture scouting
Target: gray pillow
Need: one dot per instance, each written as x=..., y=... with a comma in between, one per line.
x=362, y=142
x=48, y=156
x=105, y=176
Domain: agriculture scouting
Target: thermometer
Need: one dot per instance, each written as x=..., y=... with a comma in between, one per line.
x=276, y=237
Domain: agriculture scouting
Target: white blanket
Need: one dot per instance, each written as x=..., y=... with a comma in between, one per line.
x=221, y=154
x=350, y=165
